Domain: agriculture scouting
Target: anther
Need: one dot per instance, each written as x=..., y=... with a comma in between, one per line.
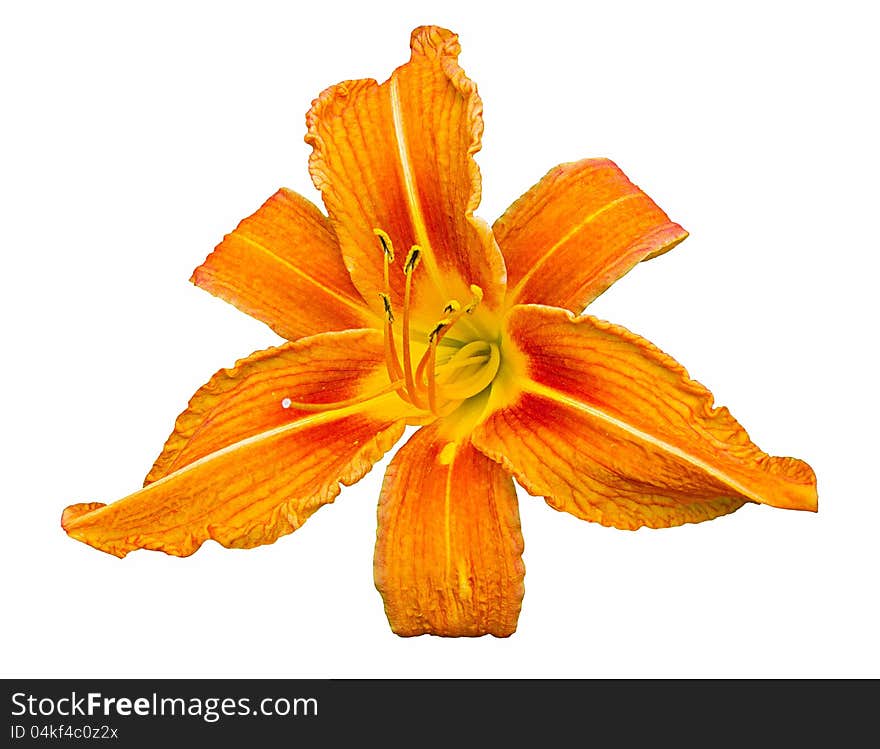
x=391, y=362
x=477, y=298
x=386, y=302
x=444, y=323
x=412, y=259
x=385, y=241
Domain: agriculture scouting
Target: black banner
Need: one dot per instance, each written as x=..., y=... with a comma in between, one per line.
x=149, y=712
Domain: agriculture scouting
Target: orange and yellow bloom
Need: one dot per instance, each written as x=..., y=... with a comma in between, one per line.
x=401, y=308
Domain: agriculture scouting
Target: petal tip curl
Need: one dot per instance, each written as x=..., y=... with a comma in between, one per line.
x=578, y=230
x=75, y=522
x=613, y=430
x=435, y=42
x=803, y=493
x=73, y=512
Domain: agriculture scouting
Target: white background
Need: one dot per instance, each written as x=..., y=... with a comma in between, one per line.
x=134, y=138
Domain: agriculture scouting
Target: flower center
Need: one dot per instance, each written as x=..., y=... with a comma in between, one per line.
x=450, y=370
x=467, y=371
x=431, y=370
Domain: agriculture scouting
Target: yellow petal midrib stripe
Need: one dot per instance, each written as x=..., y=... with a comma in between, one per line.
x=576, y=229
x=409, y=186
x=310, y=420
x=547, y=392
x=358, y=306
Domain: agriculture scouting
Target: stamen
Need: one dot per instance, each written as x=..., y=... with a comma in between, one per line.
x=392, y=363
x=476, y=300
x=387, y=259
x=452, y=305
x=315, y=407
x=431, y=363
x=427, y=364
x=445, y=325
x=423, y=362
x=412, y=261
x=432, y=381
x=428, y=361
x=463, y=374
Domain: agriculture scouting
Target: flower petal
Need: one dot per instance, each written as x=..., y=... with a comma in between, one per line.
x=610, y=429
x=399, y=157
x=583, y=226
x=244, y=465
x=448, y=552
x=282, y=265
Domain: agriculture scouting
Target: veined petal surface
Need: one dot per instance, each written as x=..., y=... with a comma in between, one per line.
x=282, y=265
x=399, y=157
x=577, y=231
x=448, y=551
x=610, y=429
x=245, y=465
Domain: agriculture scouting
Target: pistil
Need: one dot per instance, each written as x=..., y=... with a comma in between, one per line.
x=332, y=405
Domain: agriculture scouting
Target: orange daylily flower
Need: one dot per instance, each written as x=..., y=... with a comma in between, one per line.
x=403, y=308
